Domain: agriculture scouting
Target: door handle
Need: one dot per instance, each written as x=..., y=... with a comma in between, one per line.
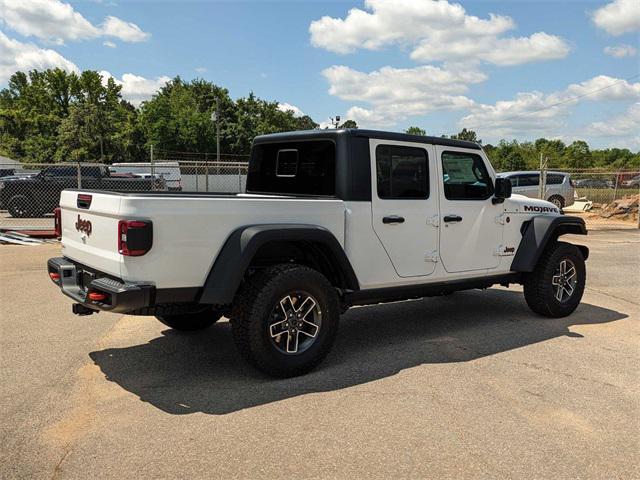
x=452, y=218
x=393, y=219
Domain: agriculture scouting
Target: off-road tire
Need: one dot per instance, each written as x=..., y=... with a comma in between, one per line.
x=538, y=289
x=557, y=200
x=252, y=311
x=189, y=322
x=19, y=206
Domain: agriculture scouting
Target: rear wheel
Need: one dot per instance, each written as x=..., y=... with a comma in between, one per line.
x=19, y=206
x=188, y=322
x=557, y=200
x=285, y=319
x=555, y=287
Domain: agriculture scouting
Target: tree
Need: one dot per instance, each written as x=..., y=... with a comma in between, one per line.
x=178, y=118
x=416, y=131
x=468, y=135
x=349, y=124
x=54, y=115
x=507, y=156
x=577, y=155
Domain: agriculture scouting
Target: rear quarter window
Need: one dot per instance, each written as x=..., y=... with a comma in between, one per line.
x=554, y=179
x=294, y=168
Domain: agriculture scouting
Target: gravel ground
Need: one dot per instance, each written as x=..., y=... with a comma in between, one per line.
x=471, y=385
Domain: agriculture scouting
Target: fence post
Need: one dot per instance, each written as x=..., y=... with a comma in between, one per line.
x=206, y=171
x=615, y=188
x=79, y=176
x=153, y=170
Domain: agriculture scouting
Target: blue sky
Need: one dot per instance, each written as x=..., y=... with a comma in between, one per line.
x=507, y=69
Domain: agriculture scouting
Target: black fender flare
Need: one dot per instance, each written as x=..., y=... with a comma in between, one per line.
x=538, y=232
x=236, y=254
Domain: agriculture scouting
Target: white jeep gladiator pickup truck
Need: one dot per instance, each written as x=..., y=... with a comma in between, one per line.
x=330, y=219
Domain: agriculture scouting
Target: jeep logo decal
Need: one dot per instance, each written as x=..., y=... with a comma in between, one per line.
x=536, y=208
x=83, y=226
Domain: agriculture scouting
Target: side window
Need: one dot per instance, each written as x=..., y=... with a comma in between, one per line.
x=402, y=172
x=61, y=171
x=465, y=177
x=554, y=179
x=90, y=171
x=514, y=180
x=529, y=180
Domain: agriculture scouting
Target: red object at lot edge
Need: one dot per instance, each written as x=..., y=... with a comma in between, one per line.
x=135, y=237
x=54, y=275
x=57, y=222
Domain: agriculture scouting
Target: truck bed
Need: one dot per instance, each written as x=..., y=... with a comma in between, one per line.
x=188, y=229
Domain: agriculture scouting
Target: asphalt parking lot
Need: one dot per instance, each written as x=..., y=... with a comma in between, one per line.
x=471, y=385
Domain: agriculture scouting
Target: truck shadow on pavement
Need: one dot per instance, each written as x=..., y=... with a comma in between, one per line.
x=183, y=373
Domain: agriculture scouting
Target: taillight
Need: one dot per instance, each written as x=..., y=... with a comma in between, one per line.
x=57, y=222
x=135, y=237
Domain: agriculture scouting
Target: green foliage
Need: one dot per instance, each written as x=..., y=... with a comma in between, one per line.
x=416, y=131
x=59, y=116
x=54, y=115
x=349, y=124
x=468, y=135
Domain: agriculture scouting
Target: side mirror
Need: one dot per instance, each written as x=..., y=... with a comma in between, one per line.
x=503, y=189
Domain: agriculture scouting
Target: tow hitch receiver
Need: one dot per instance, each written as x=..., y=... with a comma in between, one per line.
x=80, y=309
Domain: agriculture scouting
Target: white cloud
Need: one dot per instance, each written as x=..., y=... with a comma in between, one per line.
x=27, y=56
x=125, y=31
x=109, y=43
x=284, y=107
x=537, y=112
x=626, y=124
x=618, y=17
x=135, y=88
x=55, y=21
x=397, y=93
x=436, y=30
x=201, y=69
x=621, y=51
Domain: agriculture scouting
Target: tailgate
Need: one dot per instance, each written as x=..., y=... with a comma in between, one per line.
x=90, y=229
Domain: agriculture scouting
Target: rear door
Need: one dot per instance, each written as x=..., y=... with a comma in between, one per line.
x=470, y=235
x=405, y=204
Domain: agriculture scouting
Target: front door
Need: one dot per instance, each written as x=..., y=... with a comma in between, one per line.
x=471, y=234
x=405, y=205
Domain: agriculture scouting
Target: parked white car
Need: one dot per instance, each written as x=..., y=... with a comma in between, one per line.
x=560, y=188
x=170, y=171
x=330, y=219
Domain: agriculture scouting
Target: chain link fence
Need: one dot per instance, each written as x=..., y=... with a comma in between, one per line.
x=603, y=187
x=29, y=192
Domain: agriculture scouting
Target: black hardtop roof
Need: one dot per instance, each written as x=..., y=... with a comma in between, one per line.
x=357, y=132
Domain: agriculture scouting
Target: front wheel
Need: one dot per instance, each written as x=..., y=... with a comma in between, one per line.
x=555, y=287
x=189, y=322
x=285, y=319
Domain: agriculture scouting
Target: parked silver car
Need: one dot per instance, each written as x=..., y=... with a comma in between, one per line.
x=560, y=189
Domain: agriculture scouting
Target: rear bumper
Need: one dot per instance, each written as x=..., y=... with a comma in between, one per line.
x=77, y=283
